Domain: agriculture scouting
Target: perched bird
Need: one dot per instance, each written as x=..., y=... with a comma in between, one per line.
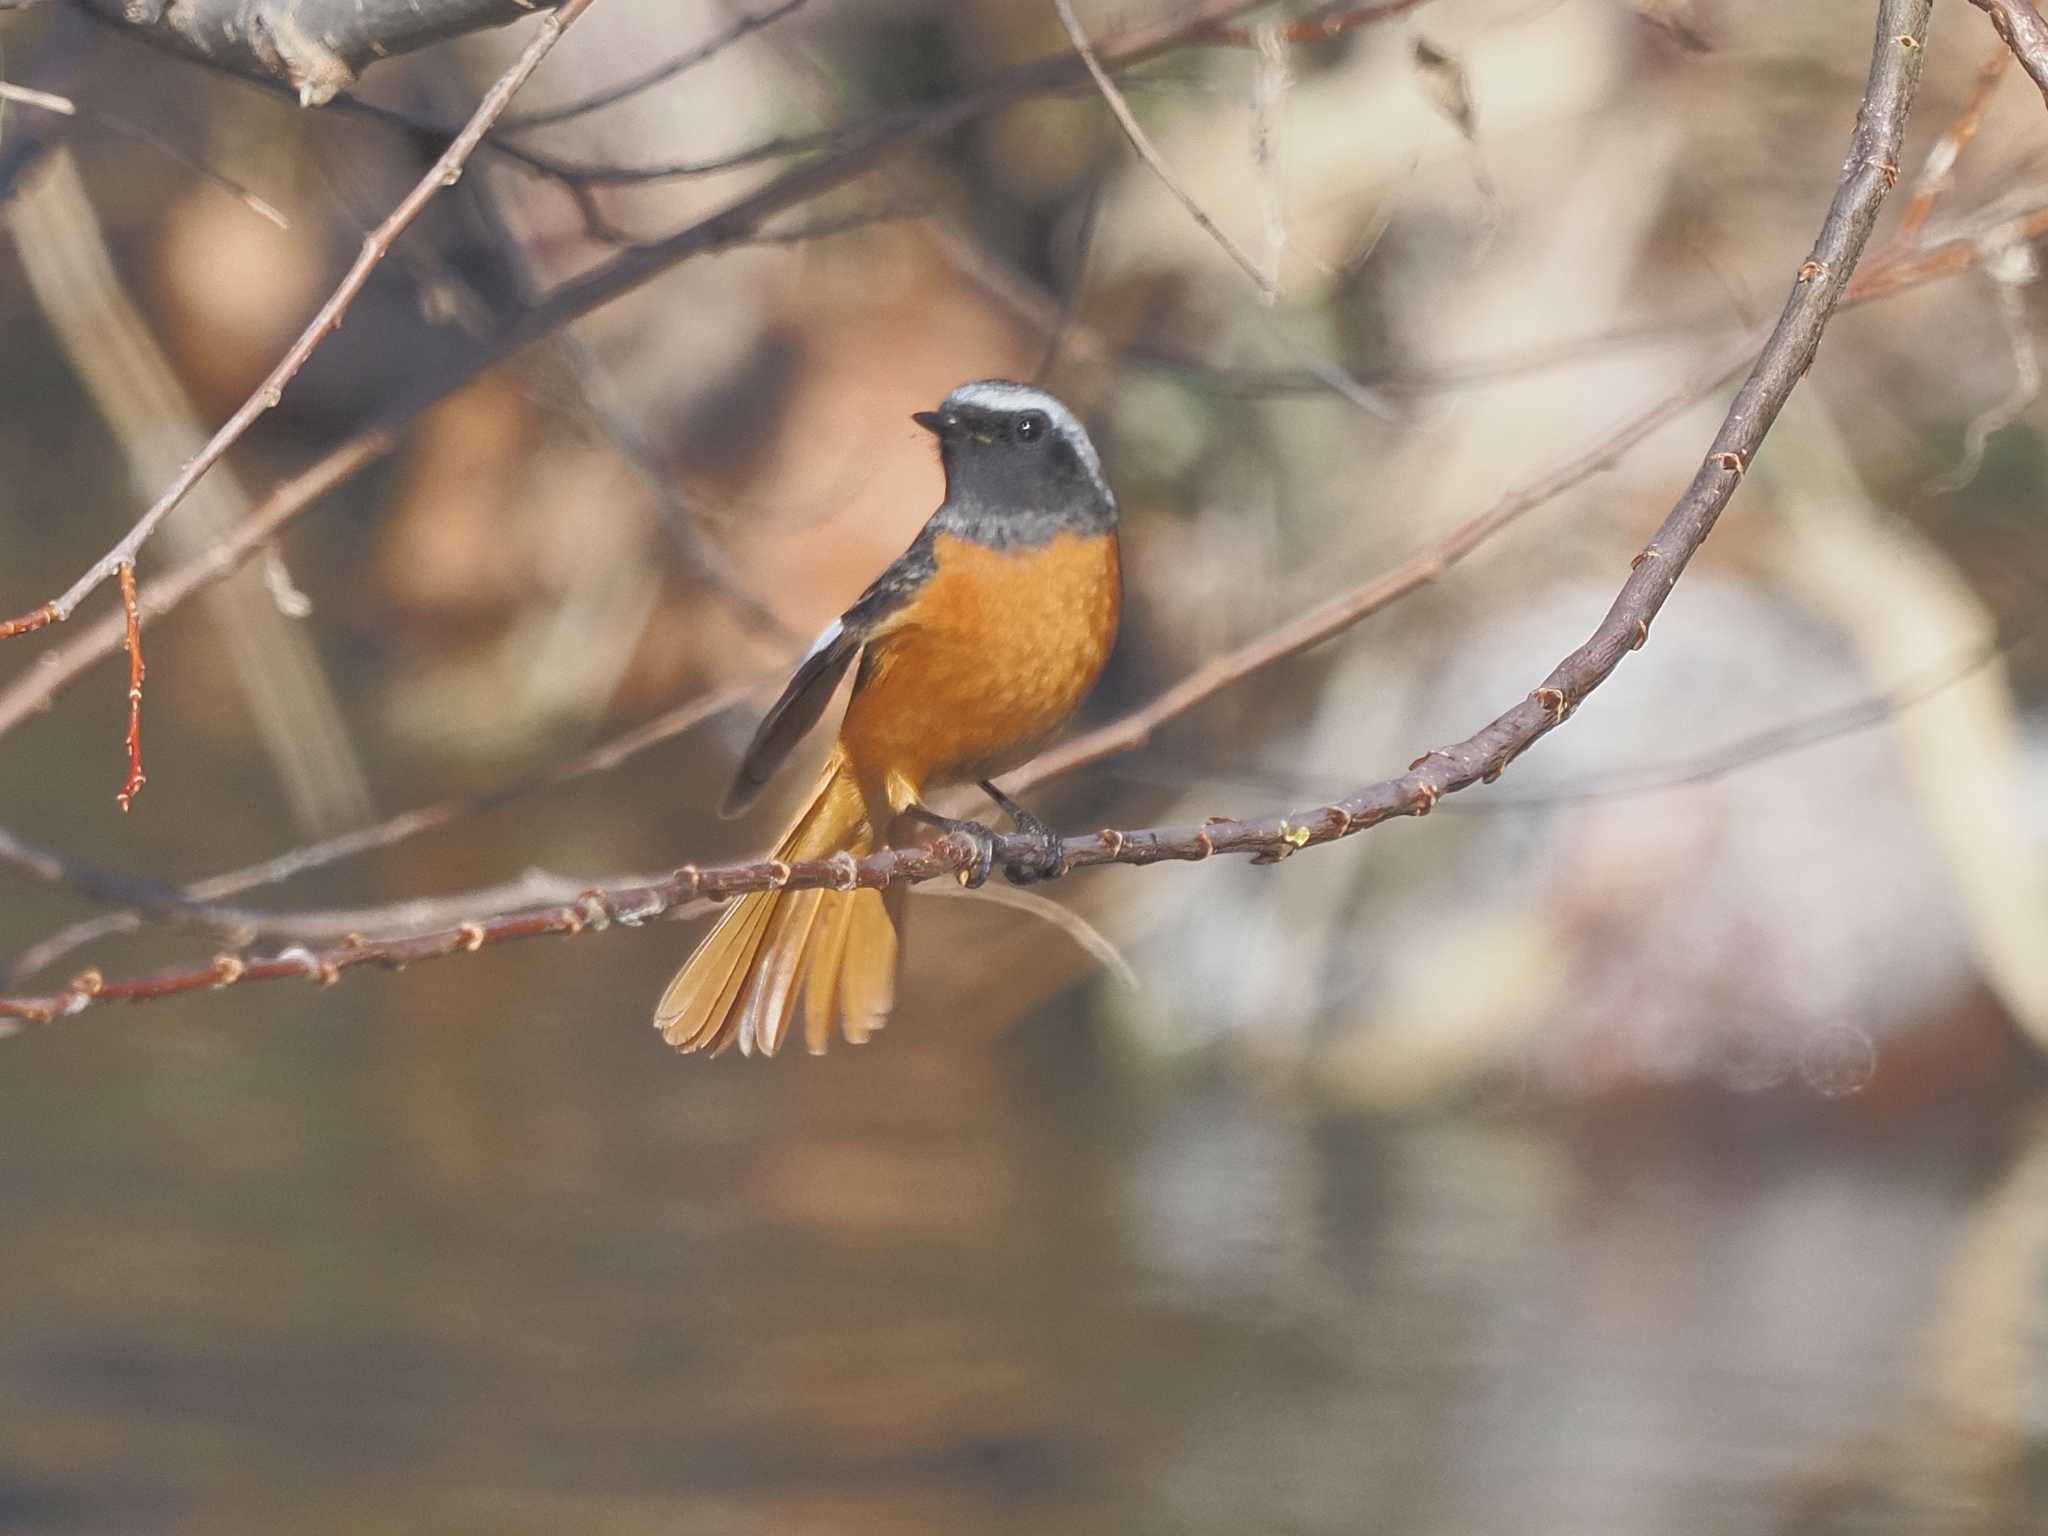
x=974, y=646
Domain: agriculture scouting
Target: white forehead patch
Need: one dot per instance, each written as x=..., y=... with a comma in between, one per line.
x=1004, y=395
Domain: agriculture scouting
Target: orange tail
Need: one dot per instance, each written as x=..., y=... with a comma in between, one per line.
x=837, y=949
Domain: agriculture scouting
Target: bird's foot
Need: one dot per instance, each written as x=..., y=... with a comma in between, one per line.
x=983, y=841
x=1047, y=859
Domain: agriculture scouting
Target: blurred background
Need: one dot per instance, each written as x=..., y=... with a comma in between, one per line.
x=1652, y=1141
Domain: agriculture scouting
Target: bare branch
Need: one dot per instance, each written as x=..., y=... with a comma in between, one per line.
x=443, y=173
x=317, y=46
x=1939, y=172
x=1870, y=172
x=1154, y=161
x=131, y=615
x=2025, y=33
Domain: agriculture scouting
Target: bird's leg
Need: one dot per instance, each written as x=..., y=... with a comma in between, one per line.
x=980, y=836
x=1048, y=860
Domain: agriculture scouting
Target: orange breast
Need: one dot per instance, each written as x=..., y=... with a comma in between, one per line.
x=985, y=663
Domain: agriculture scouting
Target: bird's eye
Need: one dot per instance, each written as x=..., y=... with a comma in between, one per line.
x=1030, y=427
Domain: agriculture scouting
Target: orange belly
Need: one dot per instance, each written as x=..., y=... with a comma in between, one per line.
x=984, y=664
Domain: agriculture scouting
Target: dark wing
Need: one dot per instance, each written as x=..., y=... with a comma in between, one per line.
x=803, y=700
x=810, y=687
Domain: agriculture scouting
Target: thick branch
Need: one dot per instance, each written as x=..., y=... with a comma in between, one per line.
x=2025, y=33
x=316, y=46
x=1870, y=171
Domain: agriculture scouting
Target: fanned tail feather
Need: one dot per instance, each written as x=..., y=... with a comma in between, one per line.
x=836, y=951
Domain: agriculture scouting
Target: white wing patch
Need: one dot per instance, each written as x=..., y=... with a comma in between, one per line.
x=827, y=638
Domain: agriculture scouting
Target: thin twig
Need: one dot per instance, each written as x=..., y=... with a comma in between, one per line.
x=622, y=430
x=581, y=178
x=443, y=173
x=1755, y=750
x=1068, y=309
x=1924, y=264
x=1763, y=746
x=33, y=689
x=659, y=74
x=1869, y=173
x=199, y=901
x=1154, y=161
x=132, y=627
x=1939, y=172
x=28, y=623
x=2025, y=33
x=63, y=106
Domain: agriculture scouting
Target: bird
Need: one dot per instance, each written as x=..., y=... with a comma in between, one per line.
x=968, y=653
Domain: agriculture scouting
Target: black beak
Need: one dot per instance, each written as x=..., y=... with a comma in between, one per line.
x=931, y=421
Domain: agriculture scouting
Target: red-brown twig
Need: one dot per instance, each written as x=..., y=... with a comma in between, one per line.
x=1939, y=171
x=1911, y=268
x=443, y=173
x=40, y=618
x=59, y=665
x=2025, y=33
x=131, y=613
x=1149, y=153
x=1822, y=279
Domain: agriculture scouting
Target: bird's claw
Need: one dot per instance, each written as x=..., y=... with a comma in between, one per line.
x=1048, y=857
x=983, y=841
